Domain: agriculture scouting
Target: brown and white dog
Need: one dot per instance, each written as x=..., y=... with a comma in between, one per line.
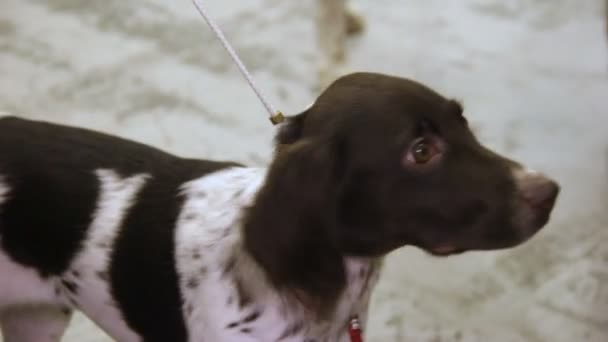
x=153, y=247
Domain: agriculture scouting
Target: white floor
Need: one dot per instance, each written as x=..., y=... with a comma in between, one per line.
x=533, y=75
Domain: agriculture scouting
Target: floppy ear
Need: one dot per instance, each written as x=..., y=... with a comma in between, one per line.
x=288, y=228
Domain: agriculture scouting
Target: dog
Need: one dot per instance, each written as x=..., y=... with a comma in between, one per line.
x=154, y=247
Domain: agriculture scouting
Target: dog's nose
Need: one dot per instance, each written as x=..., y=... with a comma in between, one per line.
x=537, y=196
x=539, y=191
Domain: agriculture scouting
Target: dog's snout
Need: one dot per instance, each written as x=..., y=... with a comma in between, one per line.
x=539, y=191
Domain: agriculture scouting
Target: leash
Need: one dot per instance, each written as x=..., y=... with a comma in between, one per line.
x=276, y=116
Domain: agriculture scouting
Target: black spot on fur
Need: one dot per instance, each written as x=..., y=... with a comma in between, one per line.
x=75, y=274
x=238, y=194
x=196, y=255
x=192, y=283
x=190, y=217
x=70, y=285
x=66, y=311
x=245, y=330
x=103, y=275
x=248, y=319
x=252, y=316
x=233, y=325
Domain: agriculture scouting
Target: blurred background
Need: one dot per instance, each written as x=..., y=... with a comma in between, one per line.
x=532, y=74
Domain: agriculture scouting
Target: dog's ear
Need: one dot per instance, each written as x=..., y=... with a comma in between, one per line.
x=290, y=131
x=287, y=230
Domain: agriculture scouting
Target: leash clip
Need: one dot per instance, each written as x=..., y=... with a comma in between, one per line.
x=354, y=330
x=277, y=118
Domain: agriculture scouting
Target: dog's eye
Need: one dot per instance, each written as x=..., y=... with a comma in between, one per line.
x=423, y=151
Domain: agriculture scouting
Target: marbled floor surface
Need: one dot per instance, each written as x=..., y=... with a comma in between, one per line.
x=533, y=75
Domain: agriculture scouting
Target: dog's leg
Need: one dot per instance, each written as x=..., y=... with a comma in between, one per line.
x=31, y=309
x=34, y=324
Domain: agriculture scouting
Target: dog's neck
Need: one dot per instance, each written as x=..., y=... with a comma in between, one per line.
x=293, y=246
x=306, y=267
x=351, y=297
x=297, y=307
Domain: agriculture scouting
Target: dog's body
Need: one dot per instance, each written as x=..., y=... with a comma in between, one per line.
x=153, y=247
x=180, y=217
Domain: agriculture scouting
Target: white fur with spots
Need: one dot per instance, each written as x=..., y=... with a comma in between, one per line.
x=209, y=234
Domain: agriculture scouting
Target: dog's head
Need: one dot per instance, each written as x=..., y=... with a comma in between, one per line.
x=380, y=162
x=390, y=162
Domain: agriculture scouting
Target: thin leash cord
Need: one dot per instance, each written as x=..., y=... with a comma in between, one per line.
x=276, y=116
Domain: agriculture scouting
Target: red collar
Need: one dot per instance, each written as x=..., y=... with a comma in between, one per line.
x=354, y=330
